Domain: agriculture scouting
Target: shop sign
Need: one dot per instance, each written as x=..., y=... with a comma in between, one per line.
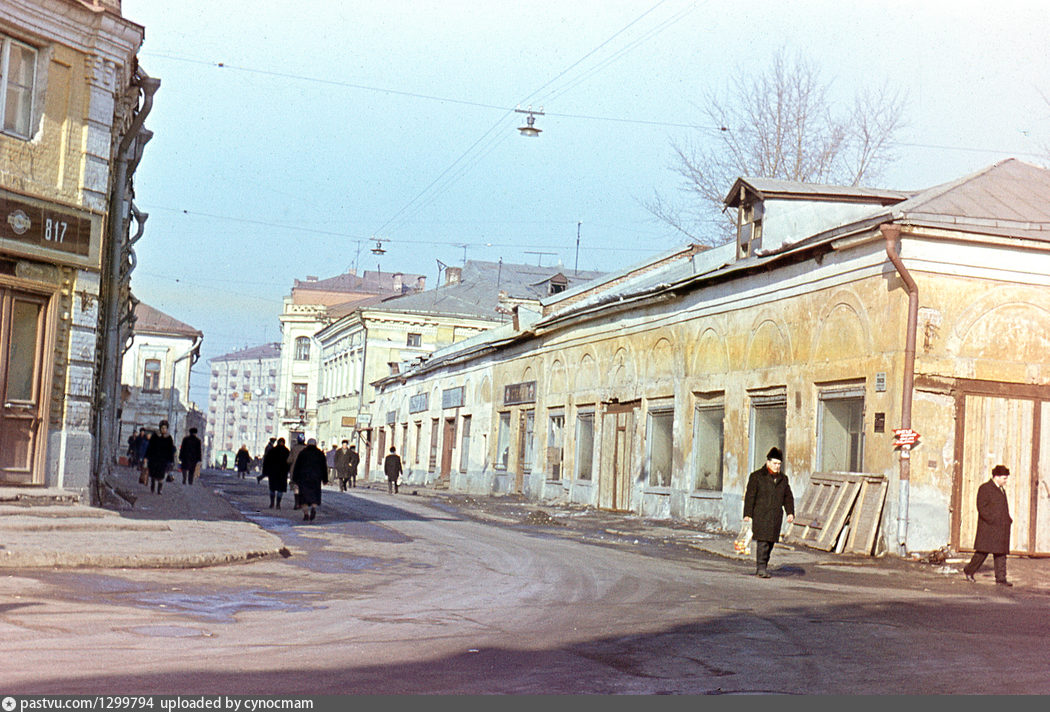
x=452, y=397
x=516, y=393
x=44, y=230
x=418, y=403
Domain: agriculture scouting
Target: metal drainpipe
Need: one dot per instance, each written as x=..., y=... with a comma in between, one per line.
x=892, y=234
x=109, y=386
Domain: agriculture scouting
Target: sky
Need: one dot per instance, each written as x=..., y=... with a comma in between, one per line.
x=290, y=137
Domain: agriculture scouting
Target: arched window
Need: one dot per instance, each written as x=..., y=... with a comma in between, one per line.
x=302, y=348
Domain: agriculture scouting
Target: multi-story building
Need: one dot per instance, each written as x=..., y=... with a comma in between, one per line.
x=306, y=311
x=384, y=337
x=73, y=100
x=242, y=402
x=155, y=375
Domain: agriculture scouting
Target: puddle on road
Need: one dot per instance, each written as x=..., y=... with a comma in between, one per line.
x=221, y=607
x=168, y=631
x=329, y=561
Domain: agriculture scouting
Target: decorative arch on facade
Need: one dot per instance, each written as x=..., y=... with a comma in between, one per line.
x=586, y=374
x=710, y=354
x=1014, y=331
x=660, y=363
x=768, y=345
x=485, y=391
x=843, y=329
x=623, y=369
x=557, y=382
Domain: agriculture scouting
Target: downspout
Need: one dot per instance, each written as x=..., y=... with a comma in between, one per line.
x=892, y=234
x=118, y=214
x=194, y=351
x=361, y=397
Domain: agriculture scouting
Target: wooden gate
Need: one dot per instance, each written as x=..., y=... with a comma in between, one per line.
x=614, y=477
x=1005, y=426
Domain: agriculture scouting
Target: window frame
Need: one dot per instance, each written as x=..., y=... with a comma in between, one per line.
x=555, y=465
x=418, y=340
x=149, y=374
x=700, y=412
x=6, y=43
x=581, y=417
x=661, y=412
x=302, y=348
x=502, y=461
x=855, y=438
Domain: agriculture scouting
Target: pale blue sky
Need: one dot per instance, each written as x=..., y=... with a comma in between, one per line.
x=331, y=122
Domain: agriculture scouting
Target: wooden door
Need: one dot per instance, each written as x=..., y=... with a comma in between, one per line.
x=23, y=320
x=448, y=442
x=614, y=475
x=997, y=431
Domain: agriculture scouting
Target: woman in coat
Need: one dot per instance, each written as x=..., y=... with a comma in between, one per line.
x=308, y=473
x=275, y=470
x=767, y=497
x=160, y=455
x=242, y=461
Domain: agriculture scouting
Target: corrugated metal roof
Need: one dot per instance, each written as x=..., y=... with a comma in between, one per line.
x=149, y=320
x=367, y=282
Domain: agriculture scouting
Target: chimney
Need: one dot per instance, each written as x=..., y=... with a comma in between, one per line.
x=399, y=282
x=517, y=324
x=421, y=283
x=311, y=278
x=453, y=275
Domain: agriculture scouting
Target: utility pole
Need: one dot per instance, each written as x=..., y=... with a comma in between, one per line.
x=576, y=269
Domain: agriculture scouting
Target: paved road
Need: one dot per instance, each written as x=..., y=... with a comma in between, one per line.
x=392, y=594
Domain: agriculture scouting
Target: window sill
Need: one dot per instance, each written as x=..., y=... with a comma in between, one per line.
x=706, y=494
x=662, y=491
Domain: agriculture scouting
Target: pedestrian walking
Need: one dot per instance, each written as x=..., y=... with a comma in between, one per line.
x=993, y=527
x=329, y=458
x=309, y=473
x=269, y=445
x=766, y=499
x=275, y=470
x=354, y=461
x=242, y=462
x=392, y=468
x=160, y=456
x=342, y=464
x=190, y=457
x=140, y=445
x=297, y=448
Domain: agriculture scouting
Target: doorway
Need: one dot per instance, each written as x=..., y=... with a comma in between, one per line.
x=23, y=385
x=448, y=443
x=614, y=475
x=1008, y=427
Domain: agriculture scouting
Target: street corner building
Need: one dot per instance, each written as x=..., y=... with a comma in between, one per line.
x=889, y=343
x=72, y=105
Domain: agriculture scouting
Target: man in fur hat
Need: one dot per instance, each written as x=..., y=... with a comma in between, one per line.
x=767, y=498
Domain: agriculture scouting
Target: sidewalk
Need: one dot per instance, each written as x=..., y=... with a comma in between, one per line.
x=183, y=527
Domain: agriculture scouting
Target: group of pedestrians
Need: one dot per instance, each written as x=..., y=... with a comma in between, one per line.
x=158, y=457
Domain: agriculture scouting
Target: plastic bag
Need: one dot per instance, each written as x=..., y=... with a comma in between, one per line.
x=742, y=542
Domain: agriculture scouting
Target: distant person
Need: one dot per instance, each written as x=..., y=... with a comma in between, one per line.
x=269, y=445
x=993, y=527
x=242, y=462
x=133, y=449
x=766, y=499
x=140, y=445
x=275, y=470
x=190, y=457
x=160, y=456
x=342, y=464
x=308, y=474
x=329, y=457
x=225, y=462
x=355, y=459
x=392, y=468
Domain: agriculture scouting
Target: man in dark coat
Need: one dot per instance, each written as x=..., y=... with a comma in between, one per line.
x=767, y=497
x=309, y=472
x=189, y=456
x=242, y=462
x=993, y=527
x=392, y=468
x=342, y=464
x=275, y=470
x=354, y=461
x=160, y=456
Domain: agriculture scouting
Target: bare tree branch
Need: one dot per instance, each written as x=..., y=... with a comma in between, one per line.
x=778, y=124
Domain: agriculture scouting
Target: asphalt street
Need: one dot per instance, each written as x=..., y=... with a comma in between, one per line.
x=431, y=595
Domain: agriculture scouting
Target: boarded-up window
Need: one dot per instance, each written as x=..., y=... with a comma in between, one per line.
x=464, y=445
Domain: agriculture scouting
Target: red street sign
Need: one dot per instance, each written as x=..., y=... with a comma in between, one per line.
x=904, y=436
